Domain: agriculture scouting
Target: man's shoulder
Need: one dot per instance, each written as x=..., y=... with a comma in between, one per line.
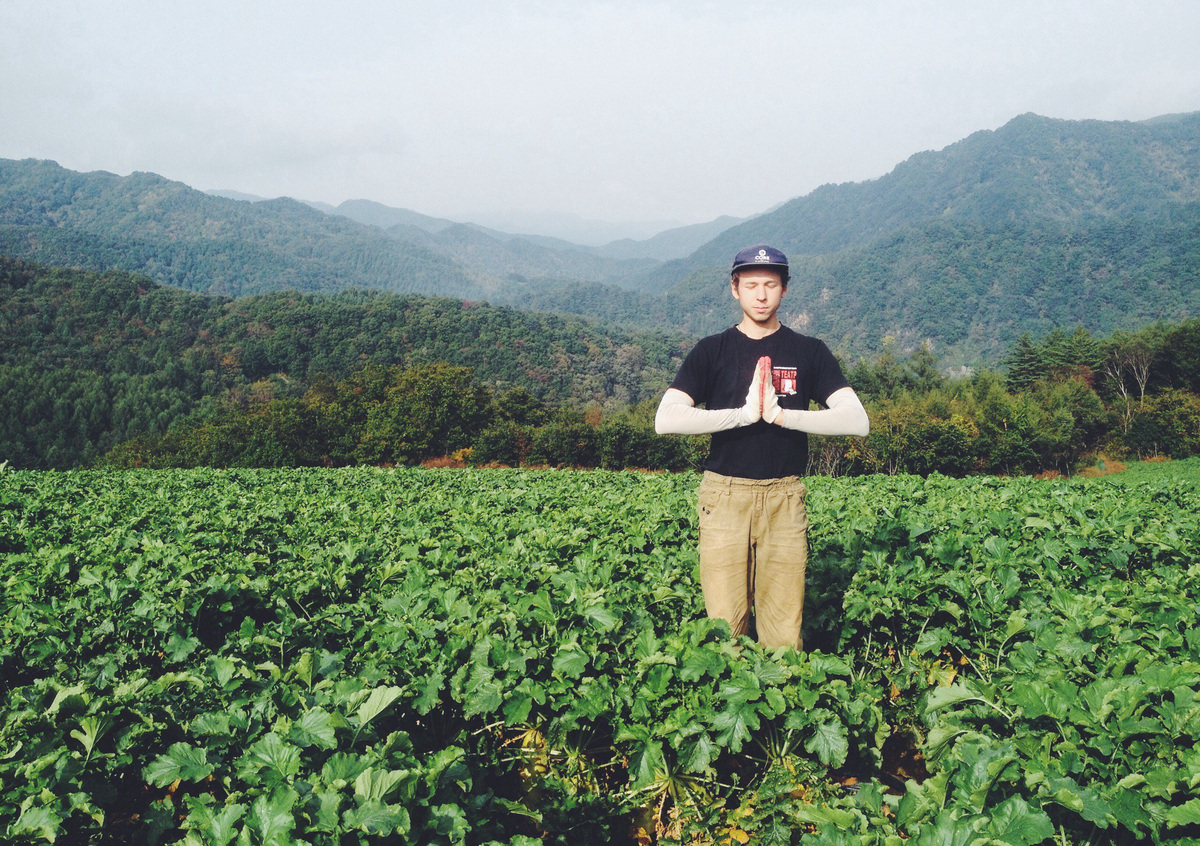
x=787, y=335
x=717, y=337
x=716, y=340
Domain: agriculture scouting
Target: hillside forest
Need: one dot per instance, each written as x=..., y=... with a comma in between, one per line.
x=111, y=369
x=1039, y=224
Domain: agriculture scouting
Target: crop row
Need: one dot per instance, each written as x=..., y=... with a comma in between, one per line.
x=363, y=656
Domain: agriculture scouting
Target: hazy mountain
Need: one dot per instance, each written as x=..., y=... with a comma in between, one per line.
x=184, y=237
x=1041, y=222
x=670, y=244
x=385, y=217
x=515, y=259
x=213, y=244
x=230, y=194
x=674, y=243
x=570, y=227
x=320, y=206
x=1031, y=169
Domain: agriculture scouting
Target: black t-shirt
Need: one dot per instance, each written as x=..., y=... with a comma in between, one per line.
x=717, y=374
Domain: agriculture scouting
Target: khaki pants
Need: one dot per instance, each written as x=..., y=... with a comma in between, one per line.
x=753, y=552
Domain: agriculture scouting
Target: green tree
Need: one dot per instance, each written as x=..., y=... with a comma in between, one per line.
x=1177, y=363
x=1167, y=424
x=922, y=365
x=566, y=441
x=1128, y=361
x=431, y=410
x=503, y=442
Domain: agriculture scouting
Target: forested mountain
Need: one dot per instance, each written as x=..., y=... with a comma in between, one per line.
x=1031, y=170
x=973, y=288
x=184, y=237
x=91, y=359
x=216, y=245
x=1040, y=223
x=671, y=244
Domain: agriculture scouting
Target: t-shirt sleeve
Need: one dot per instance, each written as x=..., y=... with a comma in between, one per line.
x=828, y=372
x=692, y=377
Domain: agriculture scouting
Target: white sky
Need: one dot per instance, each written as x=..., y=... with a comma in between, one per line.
x=672, y=111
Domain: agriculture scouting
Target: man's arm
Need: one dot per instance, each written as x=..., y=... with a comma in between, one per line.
x=677, y=413
x=844, y=415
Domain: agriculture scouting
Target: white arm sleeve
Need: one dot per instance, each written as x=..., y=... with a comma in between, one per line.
x=677, y=415
x=844, y=416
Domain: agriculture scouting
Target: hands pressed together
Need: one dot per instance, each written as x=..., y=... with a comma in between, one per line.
x=761, y=400
x=844, y=415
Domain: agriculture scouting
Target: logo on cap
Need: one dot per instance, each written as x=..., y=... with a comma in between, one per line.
x=759, y=254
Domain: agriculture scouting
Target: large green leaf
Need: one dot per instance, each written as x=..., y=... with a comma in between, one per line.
x=734, y=725
x=570, y=661
x=91, y=729
x=272, y=818
x=1186, y=814
x=181, y=761
x=1017, y=823
x=39, y=821
x=378, y=784
x=944, y=697
x=376, y=817
x=1085, y=801
x=314, y=728
x=270, y=760
x=829, y=743
x=216, y=826
x=378, y=700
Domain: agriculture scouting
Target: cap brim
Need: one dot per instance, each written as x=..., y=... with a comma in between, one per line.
x=782, y=268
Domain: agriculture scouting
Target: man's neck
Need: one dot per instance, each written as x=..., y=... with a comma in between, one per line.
x=757, y=331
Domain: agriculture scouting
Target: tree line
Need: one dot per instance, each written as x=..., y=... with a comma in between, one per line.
x=112, y=367
x=89, y=360
x=1056, y=403
x=1063, y=400
x=397, y=415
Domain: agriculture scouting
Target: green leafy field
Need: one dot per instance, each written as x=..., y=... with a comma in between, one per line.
x=416, y=656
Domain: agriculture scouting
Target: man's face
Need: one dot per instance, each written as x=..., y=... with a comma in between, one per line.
x=759, y=292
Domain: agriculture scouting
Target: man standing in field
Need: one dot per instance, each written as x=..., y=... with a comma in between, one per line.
x=755, y=381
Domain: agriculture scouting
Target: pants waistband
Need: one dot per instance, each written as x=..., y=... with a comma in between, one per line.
x=784, y=482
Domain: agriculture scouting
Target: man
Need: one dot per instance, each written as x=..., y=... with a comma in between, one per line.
x=755, y=380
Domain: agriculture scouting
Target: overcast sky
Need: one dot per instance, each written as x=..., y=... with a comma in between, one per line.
x=671, y=111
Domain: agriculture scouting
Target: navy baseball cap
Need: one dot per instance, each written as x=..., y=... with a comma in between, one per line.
x=760, y=255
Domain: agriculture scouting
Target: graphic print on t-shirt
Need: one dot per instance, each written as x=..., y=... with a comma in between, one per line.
x=784, y=379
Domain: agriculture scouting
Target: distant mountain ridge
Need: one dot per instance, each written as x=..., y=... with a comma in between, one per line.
x=964, y=247
x=184, y=237
x=1039, y=202
x=1032, y=168
x=671, y=243
x=385, y=217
